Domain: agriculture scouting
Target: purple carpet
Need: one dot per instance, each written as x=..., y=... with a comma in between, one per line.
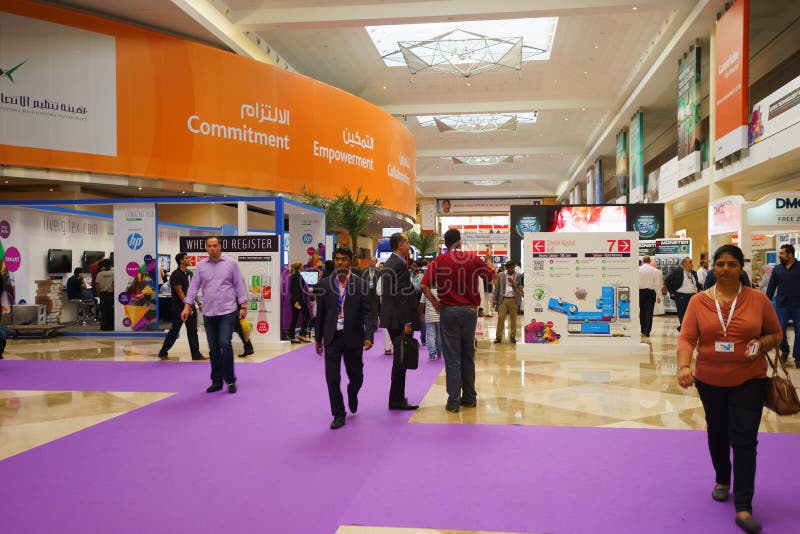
x=263, y=460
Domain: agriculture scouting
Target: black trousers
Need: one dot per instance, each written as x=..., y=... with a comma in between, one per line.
x=191, y=332
x=397, y=390
x=107, y=310
x=353, y=365
x=681, y=303
x=647, y=303
x=306, y=319
x=732, y=417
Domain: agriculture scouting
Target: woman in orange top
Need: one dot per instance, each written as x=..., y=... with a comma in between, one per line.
x=732, y=327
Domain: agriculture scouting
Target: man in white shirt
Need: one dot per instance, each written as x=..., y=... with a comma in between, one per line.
x=702, y=272
x=650, y=281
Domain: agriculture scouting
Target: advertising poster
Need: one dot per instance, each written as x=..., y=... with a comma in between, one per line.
x=428, y=213
x=259, y=263
x=667, y=254
x=581, y=289
x=731, y=63
x=590, y=199
x=524, y=219
x=307, y=239
x=647, y=220
x=779, y=212
x=725, y=215
x=622, y=163
x=637, y=158
x=58, y=87
x=775, y=113
x=598, y=182
x=135, y=268
x=689, y=115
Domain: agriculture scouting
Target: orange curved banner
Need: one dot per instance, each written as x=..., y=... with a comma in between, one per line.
x=186, y=111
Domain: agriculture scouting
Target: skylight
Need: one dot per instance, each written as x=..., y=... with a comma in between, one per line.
x=537, y=35
x=477, y=122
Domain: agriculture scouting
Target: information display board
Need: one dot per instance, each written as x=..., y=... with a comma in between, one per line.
x=259, y=263
x=581, y=289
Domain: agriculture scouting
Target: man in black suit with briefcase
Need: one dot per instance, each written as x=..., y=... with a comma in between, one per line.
x=399, y=313
x=346, y=324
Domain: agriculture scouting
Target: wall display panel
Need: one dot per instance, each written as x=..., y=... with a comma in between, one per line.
x=689, y=113
x=637, y=158
x=186, y=111
x=778, y=111
x=647, y=220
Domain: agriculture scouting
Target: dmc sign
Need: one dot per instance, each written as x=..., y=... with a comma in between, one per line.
x=787, y=203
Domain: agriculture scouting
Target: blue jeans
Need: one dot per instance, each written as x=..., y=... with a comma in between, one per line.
x=219, y=329
x=784, y=314
x=457, y=326
x=434, y=339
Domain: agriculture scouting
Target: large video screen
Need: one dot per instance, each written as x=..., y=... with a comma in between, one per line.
x=588, y=219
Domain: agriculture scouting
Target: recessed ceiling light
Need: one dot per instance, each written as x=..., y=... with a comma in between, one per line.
x=597, y=46
x=384, y=87
x=635, y=8
x=585, y=73
x=583, y=109
x=51, y=189
x=140, y=188
x=566, y=118
x=469, y=84
x=6, y=181
x=183, y=192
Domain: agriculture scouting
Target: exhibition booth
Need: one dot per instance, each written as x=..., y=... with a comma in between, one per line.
x=43, y=242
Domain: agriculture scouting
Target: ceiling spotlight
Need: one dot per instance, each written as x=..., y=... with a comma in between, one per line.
x=6, y=181
x=635, y=8
x=51, y=189
x=183, y=192
x=140, y=188
x=469, y=84
x=596, y=47
x=566, y=118
x=384, y=87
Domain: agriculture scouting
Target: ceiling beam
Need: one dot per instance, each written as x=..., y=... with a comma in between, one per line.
x=379, y=13
x=508, y=106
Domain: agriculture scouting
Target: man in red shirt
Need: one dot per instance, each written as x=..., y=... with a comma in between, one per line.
x=456, y=275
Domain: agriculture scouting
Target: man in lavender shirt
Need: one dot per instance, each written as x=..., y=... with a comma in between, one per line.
x=224, y=303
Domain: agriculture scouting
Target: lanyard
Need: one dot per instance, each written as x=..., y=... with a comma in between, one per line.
x=722, y=323
x=341, y=294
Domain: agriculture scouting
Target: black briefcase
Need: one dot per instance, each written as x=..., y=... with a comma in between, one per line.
x=406, y=351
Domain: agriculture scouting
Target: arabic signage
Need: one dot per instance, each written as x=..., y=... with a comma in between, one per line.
x=57, y=88
x=578, y=288
x=196, y=113
x=732, y=79
x=689, y=114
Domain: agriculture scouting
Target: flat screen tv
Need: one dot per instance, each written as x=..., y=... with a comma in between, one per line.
x=311, y=277
x=59, y=261
x=91, y=256
x=164, y=262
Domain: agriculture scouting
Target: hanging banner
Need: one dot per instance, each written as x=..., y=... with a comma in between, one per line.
x=259, y=263
x=135, y=267
x=775, y=113
x=637, y=158
x=732, y=99
x=598, y=182
x=590, y=186
x=578, y=288
x=622, y=163
x=428, y=216
x=689, y=115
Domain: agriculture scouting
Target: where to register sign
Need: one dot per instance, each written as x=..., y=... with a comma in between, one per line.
x=233, y=243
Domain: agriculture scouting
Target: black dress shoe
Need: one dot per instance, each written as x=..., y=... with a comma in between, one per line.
x=749, y=525
x=467, y=404
x=453, y=408
x=162, y=356
x=215, y=386
x=199, y=357
x=352, y=403
x=513, y=340
x=338, y=422
x=402, y=406
x=248, y=349
x=498, y=340
x=720, y=494
x=232, y=388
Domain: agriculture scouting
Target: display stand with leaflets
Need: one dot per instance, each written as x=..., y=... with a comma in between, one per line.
x=581, y=297
x=668, y=254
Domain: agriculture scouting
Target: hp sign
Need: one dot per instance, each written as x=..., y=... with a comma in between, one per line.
x=307, y=238
x=135, y=241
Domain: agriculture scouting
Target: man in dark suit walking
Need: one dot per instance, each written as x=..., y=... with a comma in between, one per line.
x=399, y=312
x=682, y=283
x=346, y=325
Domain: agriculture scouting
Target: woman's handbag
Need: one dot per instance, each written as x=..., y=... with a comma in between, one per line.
x=781, y=396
